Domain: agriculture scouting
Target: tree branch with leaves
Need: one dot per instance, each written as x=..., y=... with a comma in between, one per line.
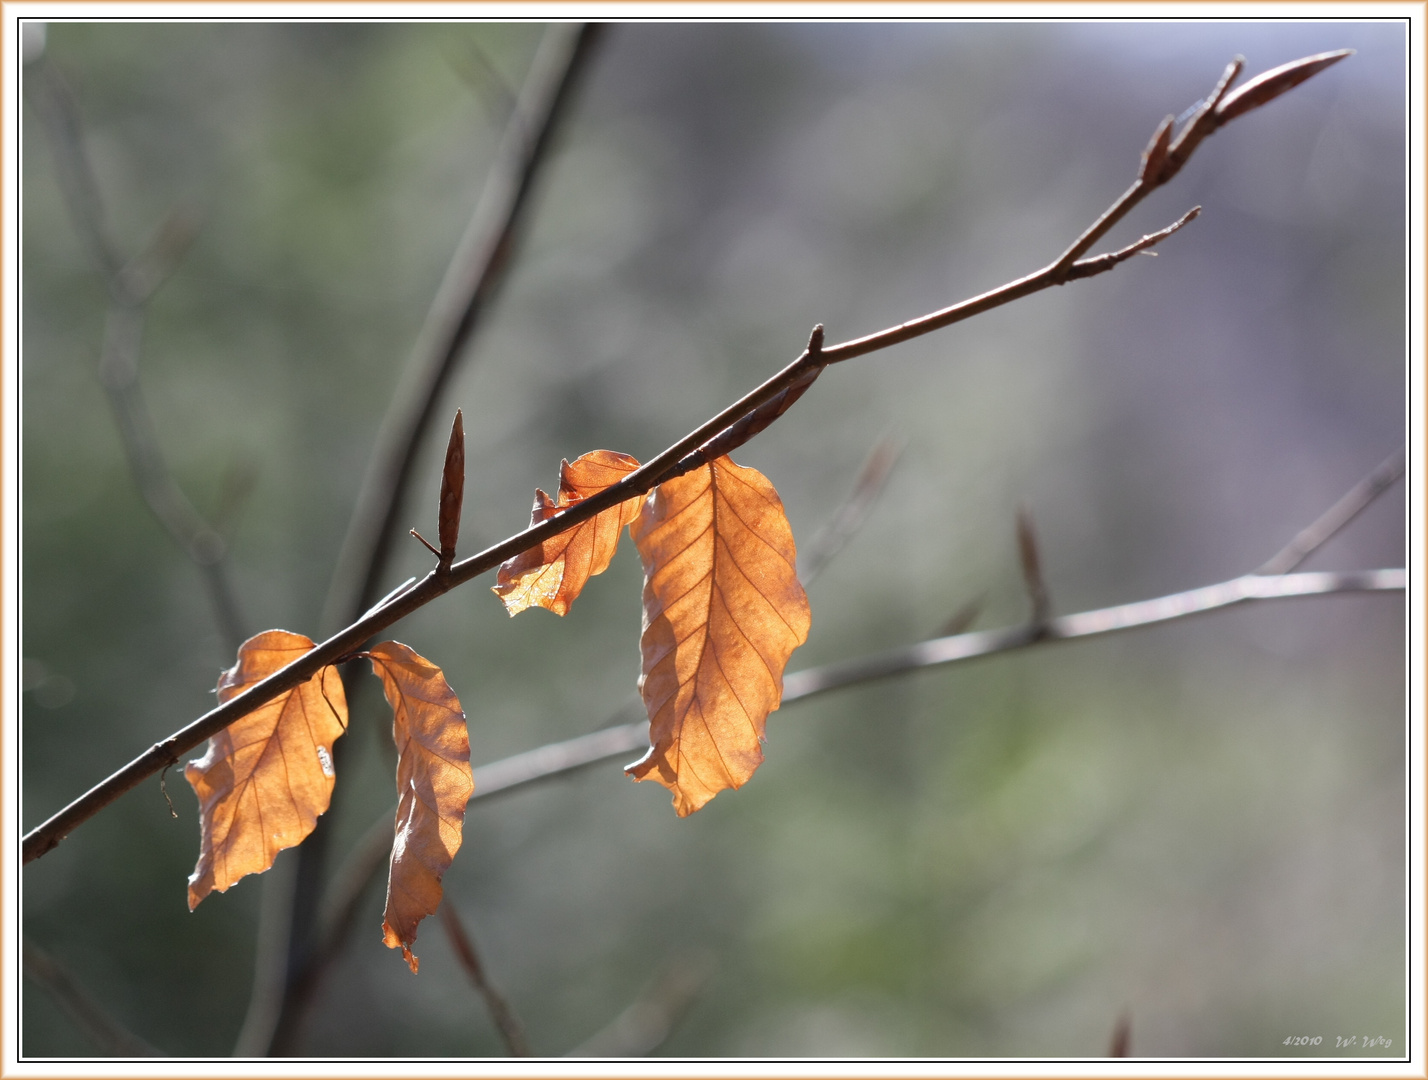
x=724, y=606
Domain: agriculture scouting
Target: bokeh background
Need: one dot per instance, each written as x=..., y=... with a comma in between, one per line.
x=1200, y=826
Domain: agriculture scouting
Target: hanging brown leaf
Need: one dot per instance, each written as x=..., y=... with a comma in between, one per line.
x=433, y=785
x=723, y=612
x=551, y=574
x=268, y=776
x=453, y=484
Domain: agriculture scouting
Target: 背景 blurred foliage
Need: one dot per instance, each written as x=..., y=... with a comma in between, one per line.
x=1202, y=824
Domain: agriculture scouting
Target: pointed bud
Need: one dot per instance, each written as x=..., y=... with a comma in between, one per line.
x=1265, y=88
x=453, y=483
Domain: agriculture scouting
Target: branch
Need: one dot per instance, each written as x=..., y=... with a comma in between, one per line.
x=130, y=286
x=948, y=650
x=672, y=462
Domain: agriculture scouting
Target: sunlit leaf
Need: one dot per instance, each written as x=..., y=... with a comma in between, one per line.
x=551, y=574
x=723, y=610
x=433, y=785
x=268, y=776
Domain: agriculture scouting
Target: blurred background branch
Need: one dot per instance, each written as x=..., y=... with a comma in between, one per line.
x=130, y=284
x=109, y=1037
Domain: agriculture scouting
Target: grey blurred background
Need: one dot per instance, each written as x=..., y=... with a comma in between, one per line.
x=1200, y=825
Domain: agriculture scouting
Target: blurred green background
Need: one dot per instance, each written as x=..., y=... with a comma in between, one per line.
x=1200, y=825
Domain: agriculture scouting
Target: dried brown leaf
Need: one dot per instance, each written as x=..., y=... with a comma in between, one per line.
x=723, y=610
x=551, y=574
x=267, y=777
x=433, y=786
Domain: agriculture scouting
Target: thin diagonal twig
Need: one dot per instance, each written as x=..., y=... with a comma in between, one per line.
x=1354, y=502
x=656, y=470
x=852, y=512
x=108, y=1035
x=963, y=618
x=508, y=1025
x=650, y=1019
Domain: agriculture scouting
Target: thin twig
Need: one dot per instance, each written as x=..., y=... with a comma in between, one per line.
x=938, y=651
x=1101, y=263
x=650, y=1019
x=108, y=1035
x=853, y=511
x=664, y=466
x=502, y=1015
x=130, y=286
x=1355, y=500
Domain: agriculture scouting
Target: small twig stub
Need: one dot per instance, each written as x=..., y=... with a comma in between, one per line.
x=1031, y=569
